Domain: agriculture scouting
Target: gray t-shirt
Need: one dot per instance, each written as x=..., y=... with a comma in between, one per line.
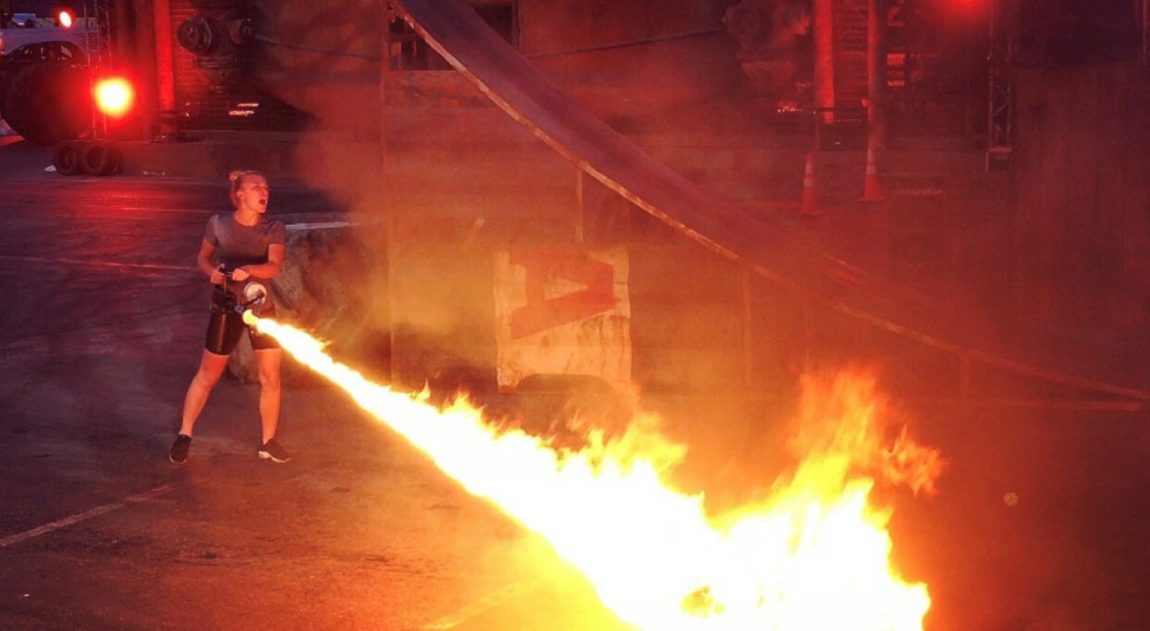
x=238, y=245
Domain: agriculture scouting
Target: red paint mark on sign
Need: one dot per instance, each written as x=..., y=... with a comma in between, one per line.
x=546, y=269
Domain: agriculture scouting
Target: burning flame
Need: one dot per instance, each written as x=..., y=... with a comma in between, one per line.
x=813, y=555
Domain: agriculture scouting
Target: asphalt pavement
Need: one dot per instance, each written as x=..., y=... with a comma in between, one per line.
x=100, y=331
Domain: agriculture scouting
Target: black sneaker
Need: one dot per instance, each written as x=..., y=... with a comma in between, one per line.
x=179, y=452
x=271, y=450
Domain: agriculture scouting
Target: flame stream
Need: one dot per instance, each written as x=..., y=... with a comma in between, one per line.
x=800, y=561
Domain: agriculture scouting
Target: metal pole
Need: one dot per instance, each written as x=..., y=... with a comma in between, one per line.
x=1145, y=31
x=165, y=77
x=824, y=60
x=876, y=75
x=390, y=222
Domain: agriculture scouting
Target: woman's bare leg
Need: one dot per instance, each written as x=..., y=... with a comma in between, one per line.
x=211, y=368
x=268, y=362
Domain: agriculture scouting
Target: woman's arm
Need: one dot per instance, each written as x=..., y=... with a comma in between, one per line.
x=204, y=262
x=266, y=271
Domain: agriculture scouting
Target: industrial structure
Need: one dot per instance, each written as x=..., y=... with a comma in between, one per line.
x=412, y=124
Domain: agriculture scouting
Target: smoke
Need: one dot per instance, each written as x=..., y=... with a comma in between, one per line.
x=445, y=171
x=324, y=59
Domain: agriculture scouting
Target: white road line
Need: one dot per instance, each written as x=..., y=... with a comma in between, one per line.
x=494, y=599
x=139, y=498
x=151, y=266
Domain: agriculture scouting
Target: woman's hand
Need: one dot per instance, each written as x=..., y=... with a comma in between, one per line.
x=240, y=274
x=218, y=277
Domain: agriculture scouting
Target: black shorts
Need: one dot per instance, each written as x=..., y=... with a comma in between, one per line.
x=225, y=328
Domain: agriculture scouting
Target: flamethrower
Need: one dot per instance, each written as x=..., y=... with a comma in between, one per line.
x=254, y=296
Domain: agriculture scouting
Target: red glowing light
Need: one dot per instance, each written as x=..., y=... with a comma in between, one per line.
x=64, y=18
x=114, y=96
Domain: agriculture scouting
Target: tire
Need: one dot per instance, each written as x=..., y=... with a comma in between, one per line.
x=100, y=158
x=67, y=157
x=48, y=102
x=567, y=409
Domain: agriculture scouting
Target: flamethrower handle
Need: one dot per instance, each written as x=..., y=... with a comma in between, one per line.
x=221, y=268
x=254, y=303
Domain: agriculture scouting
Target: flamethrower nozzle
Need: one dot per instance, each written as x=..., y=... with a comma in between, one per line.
x=255, y=295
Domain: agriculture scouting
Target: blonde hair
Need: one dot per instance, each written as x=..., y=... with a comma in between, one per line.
x=236, y=181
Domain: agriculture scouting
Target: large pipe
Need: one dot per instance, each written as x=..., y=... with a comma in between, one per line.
x=876, y=74
x=165, y=74
x=824, y=60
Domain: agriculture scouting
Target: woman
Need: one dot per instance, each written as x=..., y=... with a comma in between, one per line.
x=239, y=249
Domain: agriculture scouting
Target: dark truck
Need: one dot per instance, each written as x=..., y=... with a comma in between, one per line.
x=44, y=83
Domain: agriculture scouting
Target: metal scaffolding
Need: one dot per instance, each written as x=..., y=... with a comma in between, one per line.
x=1000, y=54
x=96, y=32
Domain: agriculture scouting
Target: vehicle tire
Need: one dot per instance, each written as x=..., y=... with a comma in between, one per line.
x=48, y=102
x=566, y=409
x=100, y=158
x=67, y=157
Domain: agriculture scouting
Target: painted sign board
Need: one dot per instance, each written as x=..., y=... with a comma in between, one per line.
x=562, y=311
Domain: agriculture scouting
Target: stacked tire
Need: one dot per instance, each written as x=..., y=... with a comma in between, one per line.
x=87, y=157
x=100, y=157
x=66, y=158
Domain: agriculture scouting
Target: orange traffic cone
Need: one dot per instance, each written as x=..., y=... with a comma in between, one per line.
x=809, y=205
x=871, y=190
